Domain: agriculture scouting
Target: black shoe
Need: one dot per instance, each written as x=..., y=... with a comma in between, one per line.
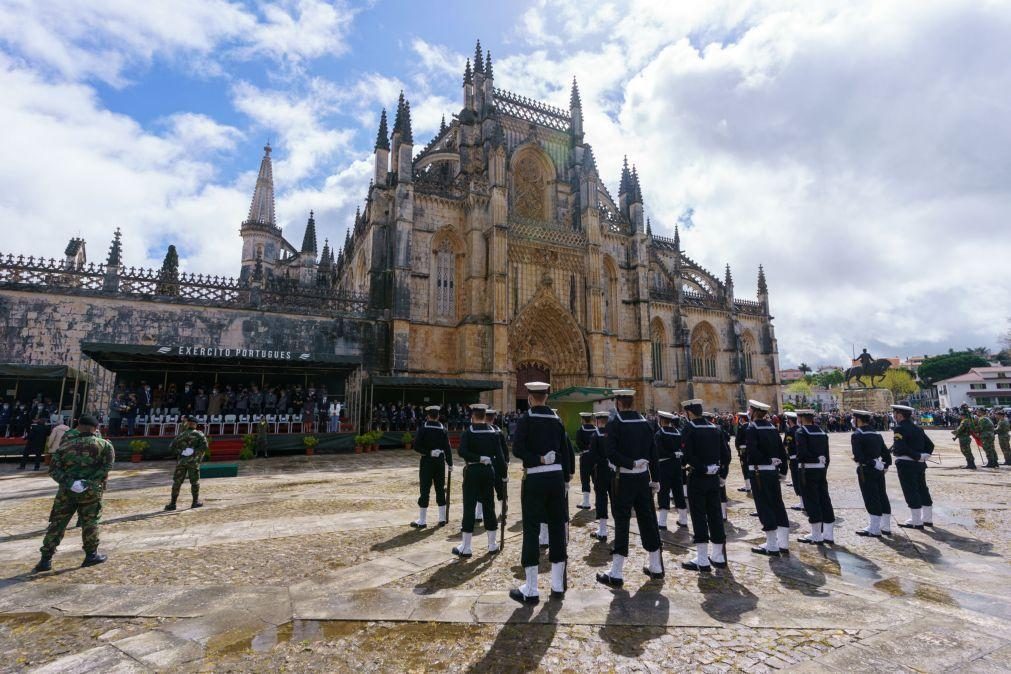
x=415, y=525
x=743, y=489
x=655, y=576
x=692, y=566
x=544, y=546
x=170, y=506
x=753, y=514
x=864, y=532
x=605, y=579
x=45, y=564
x=197, y=504
x=582, y=507
x=783, y=552
x=555, y=594
x=797, y=507
x=93, y=558
x=809, y=541
x=886, y=533
x=718, y=565
x=443, y=523
x=928, y=524
x=602, y=539
x=516, y=595
x=37, y=467
x=465, y=555
x=685, y=526
x=971, y=466
x=759, y=550
x=910, y=526
x=662, y=528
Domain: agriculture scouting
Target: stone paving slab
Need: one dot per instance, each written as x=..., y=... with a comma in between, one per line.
x=159, y=649
x=99, y=659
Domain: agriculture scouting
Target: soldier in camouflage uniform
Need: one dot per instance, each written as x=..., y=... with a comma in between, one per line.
x=986, y=435
x=1004, y=436
x=189, y=446
x=80, y=466
x=964, y=435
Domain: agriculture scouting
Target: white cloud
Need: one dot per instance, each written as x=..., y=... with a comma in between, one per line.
x=199, y=133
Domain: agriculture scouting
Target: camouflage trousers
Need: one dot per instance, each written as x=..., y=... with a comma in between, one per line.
x=965, y=444
x=183, y=471
x=988, y=449
x=1005, y=447
x=88, y=506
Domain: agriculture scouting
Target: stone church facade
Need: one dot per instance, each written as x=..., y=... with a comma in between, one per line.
x=496, y=252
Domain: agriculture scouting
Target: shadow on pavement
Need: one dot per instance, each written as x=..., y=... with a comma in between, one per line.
x=523, y=641
x=724, y=598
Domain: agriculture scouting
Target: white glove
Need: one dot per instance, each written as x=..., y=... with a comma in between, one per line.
x=486, y=460
x=879, y=464
x=679, y=454
x=723, y=483
x=821, y=460
x=548, y=458
x=435, y=453
x=78, y=487
x=777, y=462
x=924, y=457
x=655, y=486
x=188, y=451
x=640, y=464
x=449, y=468
x=712, y=469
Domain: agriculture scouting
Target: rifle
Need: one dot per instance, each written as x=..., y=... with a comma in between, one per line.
x=565, y=569
x=649, y=472
x=449, y=484
x=505, y=512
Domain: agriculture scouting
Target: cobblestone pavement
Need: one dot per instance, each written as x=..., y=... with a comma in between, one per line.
x=306, y=564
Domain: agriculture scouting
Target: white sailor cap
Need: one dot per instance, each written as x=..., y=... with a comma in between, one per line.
x=665, y=415
x=790, y=415
x=490, y=411
x=805, y=413
x=623, y=392
x=903, y=408
x=586, y=415
x=742, y=414
x=602, y=414
x=759, y=405
x=709, y=415
x=478, y=407
x=693, y=401
x=537, y=386
x=860, y=413
x=432, y=408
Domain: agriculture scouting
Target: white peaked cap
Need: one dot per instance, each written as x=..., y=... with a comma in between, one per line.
x=537, y=386
x=759, y=405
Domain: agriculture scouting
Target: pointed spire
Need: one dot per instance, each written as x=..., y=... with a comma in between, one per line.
x=324, y=258
x=258, y=268
x=625, y=186
x=677, y=238
x=478, y=60
x=309, y=240
x=115, y=250
x=591, y=161
x=398, y=121
x=487, y=65
x=383, y=136
x=636, y=190
x=442, y=125
x=574, y=100
x=649, y=228
x=406, y=135
x=468, y=77
x=347, y=236
x=261, y=209
x=728, y=279
x=763, y=288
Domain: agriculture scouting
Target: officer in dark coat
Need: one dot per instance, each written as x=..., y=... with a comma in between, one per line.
x=789, y=438
x=705, y=452
x=432, y=443
x=583, y=438
x=602, y=472
x=910, y=450
x=35, y=442
x=869, y=453
x=668, y=451
x=540, y=442
x=811, y=446
x=483, y=477
x=742, y=426
x=765, y=454
x=630, y=448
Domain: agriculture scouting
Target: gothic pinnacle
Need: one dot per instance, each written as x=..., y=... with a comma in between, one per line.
x=625, y=186
x=487, y=64
x=383, y=136
x=468, y=77
x=574, y=100
x=728, y=279
x=763, y=289
x=677, y=238
x=406, y=135
x=115, y=250
x=478, y=60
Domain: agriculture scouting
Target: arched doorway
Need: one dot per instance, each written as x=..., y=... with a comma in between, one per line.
x=530, y=370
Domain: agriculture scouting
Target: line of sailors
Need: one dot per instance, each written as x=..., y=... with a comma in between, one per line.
x=686, y=465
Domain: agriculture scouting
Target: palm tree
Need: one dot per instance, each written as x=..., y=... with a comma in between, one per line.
x=804, y=367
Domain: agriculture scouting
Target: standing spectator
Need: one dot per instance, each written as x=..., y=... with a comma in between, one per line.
x=256, y=401
x=6, y=412
x=270, y=401
x=56, y=435
x=200, y=403
x=187, y=397
x=215, y=402
x=130, y=413
x=115, y=416
x=36, y=442
x=145, y=398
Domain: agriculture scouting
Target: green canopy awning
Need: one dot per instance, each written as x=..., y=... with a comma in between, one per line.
x=42, y=372
x=436, y=383
x=581, y=394
x=190, y=357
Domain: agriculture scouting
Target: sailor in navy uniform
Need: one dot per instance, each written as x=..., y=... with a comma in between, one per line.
x=490, y=417
x=668, y=450
x=811, y=445
x=765, y=454
x=631, y=449
x=789, y=438
x=869, y=453
x=602, y=473
x=910, y=451
x=483, y=474
x=724, y=466
x=540, y=443
x=705, y=452
x=432, y=442
x=742, y=425
x=542, y=538
x=583, y=437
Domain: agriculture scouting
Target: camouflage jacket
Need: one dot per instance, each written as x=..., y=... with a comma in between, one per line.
x=189, y=439
x=85, y=457
x=965, y=429
x=986, y=430
x=1003, y=427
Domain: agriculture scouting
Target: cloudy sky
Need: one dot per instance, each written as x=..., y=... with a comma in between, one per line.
x=860, y=150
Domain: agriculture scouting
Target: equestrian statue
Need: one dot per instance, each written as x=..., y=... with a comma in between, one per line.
x=868, y=367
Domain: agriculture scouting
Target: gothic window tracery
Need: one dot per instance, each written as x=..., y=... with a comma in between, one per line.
x=610, y=297
x=748, y=355
x=658, y=338
x=530, y=188
x=445, y=280
x=704, y=349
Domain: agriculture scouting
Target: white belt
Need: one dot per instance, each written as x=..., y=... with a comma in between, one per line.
x=768, y=467
x=633, y=471
x=667, y=459
x=550, y=468
x=906, y=458
x=812, y=465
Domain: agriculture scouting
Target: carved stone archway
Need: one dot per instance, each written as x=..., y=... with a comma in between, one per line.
x=545, y=332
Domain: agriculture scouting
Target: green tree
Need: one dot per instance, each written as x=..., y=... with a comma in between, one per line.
x=799, y=387
x=829, y=379
x=938, y=368
x=804, y=367
x=900, y=382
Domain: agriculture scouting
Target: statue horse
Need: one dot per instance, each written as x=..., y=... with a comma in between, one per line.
x=874, y=370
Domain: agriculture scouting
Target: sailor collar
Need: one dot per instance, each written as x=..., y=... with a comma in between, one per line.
x=672, y=431
x=807, y=430
x=705, y=423
x=639, y=419
x=489, y=429
x=542, y=415
x=434, y=424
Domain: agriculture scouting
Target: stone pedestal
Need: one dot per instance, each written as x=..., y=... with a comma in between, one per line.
x=870, y=399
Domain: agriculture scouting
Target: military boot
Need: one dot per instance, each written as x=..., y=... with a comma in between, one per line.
x=196, y=498
x=171, y=506
x=45, y=564
x=93, y=558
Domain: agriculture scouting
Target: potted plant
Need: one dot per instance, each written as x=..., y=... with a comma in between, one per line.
x=248, y=442
x=407, y=439
x=374, y=444
x=137, y=448
x=310, y=442
x=359, y=443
